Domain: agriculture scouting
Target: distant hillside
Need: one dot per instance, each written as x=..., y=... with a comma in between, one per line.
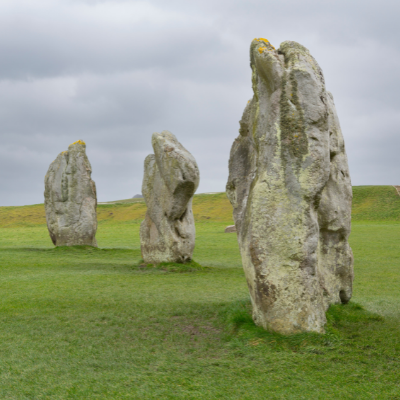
x=215, y=207
x=375, y=203
x=370, y=203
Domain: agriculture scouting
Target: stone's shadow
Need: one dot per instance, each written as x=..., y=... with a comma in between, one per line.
x=25, y=249
x=189, y=266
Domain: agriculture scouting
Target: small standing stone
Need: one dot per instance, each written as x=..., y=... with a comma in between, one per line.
x=171, y=177
x=230, y=229
x=70, y=198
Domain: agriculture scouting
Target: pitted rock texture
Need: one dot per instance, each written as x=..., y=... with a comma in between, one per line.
x=171, y=177
x=70, y=198
x=290, y=189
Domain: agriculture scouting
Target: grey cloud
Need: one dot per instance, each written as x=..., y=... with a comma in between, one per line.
x=113, y=72
x=60, y=43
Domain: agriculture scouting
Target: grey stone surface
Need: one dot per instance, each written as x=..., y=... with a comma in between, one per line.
x=230, y=229
x=70, y=198
x=335, y=257
x=290, y=189
x=171, y=177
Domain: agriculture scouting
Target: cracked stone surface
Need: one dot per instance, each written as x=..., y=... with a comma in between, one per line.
x=290, y=188
x=70, y=198
x=171, y=177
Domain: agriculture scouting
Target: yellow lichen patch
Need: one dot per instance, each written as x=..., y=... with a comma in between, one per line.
x=79, y=142
x=266, y=41
x=261, y=49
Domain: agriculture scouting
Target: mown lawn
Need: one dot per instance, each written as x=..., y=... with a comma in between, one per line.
x=84, y=323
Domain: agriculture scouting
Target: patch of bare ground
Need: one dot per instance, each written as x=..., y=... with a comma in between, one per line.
x=194, y=330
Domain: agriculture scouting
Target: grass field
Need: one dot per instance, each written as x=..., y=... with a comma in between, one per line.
x=85, y=323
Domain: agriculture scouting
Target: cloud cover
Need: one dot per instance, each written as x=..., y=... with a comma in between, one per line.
x=113, y=72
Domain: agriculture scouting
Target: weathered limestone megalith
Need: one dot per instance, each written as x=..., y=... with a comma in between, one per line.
x=70, y=198
x=171, y=177
x=290, y=189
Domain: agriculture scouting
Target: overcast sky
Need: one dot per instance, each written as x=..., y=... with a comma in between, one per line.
x=113, y=72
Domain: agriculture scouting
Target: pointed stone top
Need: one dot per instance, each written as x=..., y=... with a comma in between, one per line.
x=79, y=142
x=79, y=146
x=265, y=42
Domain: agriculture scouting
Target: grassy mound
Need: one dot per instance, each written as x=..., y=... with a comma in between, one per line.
x=342, y=320
x=375, y=203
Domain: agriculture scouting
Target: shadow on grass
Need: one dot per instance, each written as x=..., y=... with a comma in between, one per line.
x=341, y=321
x=190, y=266
x=70, y=250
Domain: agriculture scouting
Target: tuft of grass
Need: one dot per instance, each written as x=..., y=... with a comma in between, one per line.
x=190, y=266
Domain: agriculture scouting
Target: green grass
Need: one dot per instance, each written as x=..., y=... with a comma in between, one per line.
x=375, y=203
x=87, y=323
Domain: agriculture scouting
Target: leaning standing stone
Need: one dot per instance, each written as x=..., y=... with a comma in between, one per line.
x=70, y=198
x=171, y=177
x=290, y=189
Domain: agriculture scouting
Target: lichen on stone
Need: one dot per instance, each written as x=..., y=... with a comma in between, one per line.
x=70, y=199
x=171, y=177
x=292, y=123
x=291, y=204
x=79, y=142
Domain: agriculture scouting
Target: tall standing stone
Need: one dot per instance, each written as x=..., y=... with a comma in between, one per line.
x=171, y=177
x=290, y=189
x=70, y=198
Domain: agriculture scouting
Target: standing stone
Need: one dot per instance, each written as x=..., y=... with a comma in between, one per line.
x=171, y=177
x=290, y=189
x=70, y=198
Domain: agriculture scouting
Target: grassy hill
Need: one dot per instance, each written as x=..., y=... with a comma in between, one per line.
x=370, y=203
x=375, y=203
